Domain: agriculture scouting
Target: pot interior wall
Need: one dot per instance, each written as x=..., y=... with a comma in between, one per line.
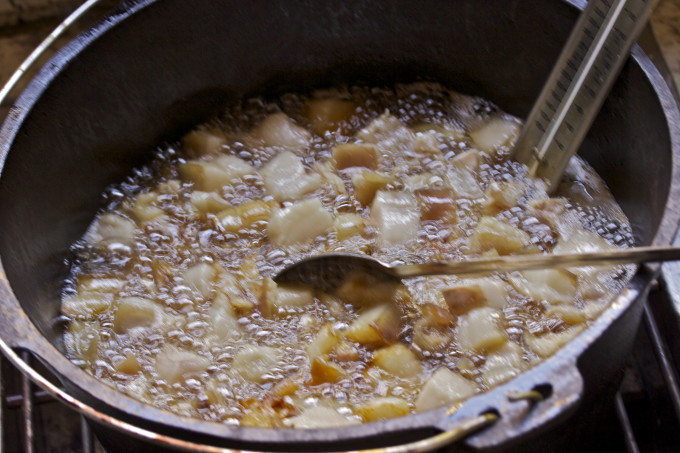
x=173, y=64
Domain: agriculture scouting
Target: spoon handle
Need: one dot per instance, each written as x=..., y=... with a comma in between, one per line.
x=526, y=262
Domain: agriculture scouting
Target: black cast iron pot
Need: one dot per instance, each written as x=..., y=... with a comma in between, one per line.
x=156, y=68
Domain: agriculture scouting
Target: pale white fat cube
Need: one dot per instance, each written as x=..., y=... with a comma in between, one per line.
x=464, y=183
x=570, y=314
x=500, y=197
x=553, y=285
x=174, y=365
x=347, y=225
x=100, y=284
x=201, y=278
x=135, y=312
x=323, y=343
x=86, y=305
x=396, y=216
x=277, y=298
x=584, y=241
x=254, y=362
x=494, y=291
x=383, y=408
x=377, y=325
x=398, y=360
x=204, y=175
x=495, y=133
x=329, y=177
x=234, y=166
x=388, y=133
x=547, y=344
x=479, y=330
x=83, y=339
x=285, y=178
x=293, y=296
x=319, y=417
x=212, y=175
x=223, y=321
x=426, y=142
x=503, y=364
x=299, y=223
x=145, y=207
x=203, y=142
x=206, y=202
x=469, y=160
x=442, y=388
x=171, y=186
x=112, y=228
x=492, y=234
x=423, y=181
x=279, y=130
x=552, y=211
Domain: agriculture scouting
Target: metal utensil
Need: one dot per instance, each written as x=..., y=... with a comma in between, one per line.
x=589, y=63
x=326, y=272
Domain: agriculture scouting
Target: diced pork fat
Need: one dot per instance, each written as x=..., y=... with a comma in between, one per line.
x=202, y=142
x=201, y=277
x=398, y=360
x=135, y=312
x=285, y=178
x=479, y=330
x=112, y=228
x=367, y=184
x=254, y=362
x=495, y=133
x=174, y=365
x=442, y=388
x=326, y=114
x=396, y=216
x=319, y=417
x=350, y=155
x=388, y=133
x=437, y=204
x=554, y=285
x=494, y=234
x=212, y=175
x=299, y=223
x=279, y=130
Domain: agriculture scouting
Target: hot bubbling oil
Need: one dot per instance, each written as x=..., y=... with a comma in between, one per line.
x=152, y=263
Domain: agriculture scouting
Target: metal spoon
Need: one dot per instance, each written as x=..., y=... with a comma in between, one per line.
x=327, y=272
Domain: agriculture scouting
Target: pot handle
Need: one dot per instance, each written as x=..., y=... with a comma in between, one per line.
x=524, y=404
x=463, y=429
x=516, y=412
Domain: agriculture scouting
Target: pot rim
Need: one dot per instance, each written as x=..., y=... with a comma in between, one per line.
x=110, y=401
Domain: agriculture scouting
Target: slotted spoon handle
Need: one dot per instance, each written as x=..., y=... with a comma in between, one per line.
x=580, y=81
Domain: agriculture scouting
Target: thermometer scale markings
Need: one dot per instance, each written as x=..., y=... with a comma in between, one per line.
x=577, y=86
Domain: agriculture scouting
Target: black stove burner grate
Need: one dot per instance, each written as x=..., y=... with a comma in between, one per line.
x=643, y=418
